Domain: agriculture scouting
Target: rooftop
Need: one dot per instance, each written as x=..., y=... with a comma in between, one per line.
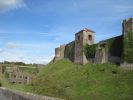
x=87, y=30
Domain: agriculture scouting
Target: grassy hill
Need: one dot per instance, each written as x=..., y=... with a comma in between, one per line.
x=66, y=80
x=69, y=81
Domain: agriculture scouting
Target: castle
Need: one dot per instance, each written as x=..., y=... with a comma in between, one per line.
x=110, y=50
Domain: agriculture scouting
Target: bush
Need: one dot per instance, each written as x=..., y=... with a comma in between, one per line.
x=114, y=72
x=90, y=50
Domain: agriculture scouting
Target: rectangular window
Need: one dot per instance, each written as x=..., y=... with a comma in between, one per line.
x=20, y=82
x=14, y=76
x=90, y=37
x=78, y=38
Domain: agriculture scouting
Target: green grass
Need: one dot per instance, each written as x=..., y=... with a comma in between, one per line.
x=4, y=82
x=69, y=81
x=66, y=80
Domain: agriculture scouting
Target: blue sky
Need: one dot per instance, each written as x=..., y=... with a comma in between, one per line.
x=31, y=29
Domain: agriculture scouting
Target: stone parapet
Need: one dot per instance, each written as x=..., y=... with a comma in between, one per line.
x=16, y=95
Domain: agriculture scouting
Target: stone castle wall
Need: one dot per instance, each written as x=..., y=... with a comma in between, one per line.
x=59, y=53
x=69, y=51
x=65, y=51
x=74, y=50
x=110, y=50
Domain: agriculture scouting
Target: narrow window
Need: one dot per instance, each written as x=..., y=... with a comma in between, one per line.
x=90, y=37
x=19, y=82
x=14, y=76
x=78, y=38
x=13, y=82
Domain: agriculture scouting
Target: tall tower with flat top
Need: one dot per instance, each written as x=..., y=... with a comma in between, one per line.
x=85, y=36
x=127, y=26
x=128, y=40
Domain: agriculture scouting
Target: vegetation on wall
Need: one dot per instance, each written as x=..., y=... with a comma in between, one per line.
x=90, y=50
x=115, y=46
x=128, y=47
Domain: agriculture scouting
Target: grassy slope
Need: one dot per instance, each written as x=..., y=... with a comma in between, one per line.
x=90, y=82
x=74, y=82
x=4, y=82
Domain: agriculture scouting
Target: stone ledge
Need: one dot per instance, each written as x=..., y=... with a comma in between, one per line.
x=16, y=95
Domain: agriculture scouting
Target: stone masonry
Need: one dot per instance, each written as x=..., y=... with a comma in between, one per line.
x=81, y=39
x=75, y=50
x=16, y=95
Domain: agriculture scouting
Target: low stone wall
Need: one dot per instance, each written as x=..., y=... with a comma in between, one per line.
x=15, y=95
x=127, y=66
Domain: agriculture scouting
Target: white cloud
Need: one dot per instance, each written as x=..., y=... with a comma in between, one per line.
x=1, y=50
x=41, y=60
x=11, y=4
x=12, y=45
x=22, y=57
x=28, y=52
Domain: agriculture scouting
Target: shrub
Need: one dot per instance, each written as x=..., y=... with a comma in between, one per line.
x=90, y=50
x=114, y=72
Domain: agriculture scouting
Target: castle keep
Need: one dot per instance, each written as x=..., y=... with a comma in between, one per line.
x=110, y=50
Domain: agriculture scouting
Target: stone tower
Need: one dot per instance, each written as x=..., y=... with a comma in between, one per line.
x=85, y=36
x=128, y=40
x=127, y=26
